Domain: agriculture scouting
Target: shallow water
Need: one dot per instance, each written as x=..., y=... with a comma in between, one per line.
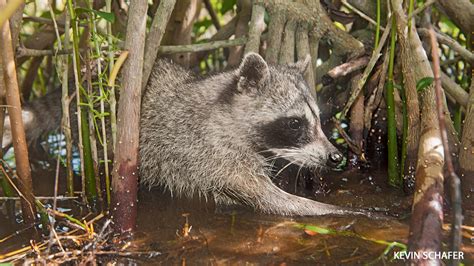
x=240, y=236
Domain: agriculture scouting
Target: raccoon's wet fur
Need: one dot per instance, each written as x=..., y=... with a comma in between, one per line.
x=219, y=136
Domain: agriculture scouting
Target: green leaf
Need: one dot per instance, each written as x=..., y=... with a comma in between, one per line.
x=201, y=26
x=423, y=83
x=227, y=5
x=316, y=229
x=110, y=17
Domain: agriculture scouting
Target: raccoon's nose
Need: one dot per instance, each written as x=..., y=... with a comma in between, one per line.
x=334, y=159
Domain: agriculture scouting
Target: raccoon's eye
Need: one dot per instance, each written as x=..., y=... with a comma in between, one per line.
x=294, y=123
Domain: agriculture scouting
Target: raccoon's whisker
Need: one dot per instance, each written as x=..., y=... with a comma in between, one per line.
x=273, y=158
x=281, y=156
x=263, y=151
x=298, y=175
x=286, y=166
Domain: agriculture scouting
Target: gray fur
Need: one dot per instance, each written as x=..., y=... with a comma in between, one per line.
x=209, y=136
x=199, y=136
x=40, y=118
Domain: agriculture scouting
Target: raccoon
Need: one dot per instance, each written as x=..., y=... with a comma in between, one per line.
x=40, y=118
x=219, y=136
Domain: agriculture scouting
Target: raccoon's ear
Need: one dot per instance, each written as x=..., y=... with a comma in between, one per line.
x=302, y=65
x=253, y=72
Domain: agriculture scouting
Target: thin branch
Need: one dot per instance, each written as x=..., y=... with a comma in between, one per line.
x=42, y=198
x=350, y=142
x=446, y=40
x=65, y=103
x=192, y=48
x=256, y=27
x=452, y=61
x=345, y=69
x=155, y=35
x=7, y=11
x=454, y=179
x=165, y=49
x=421, y=8
x=16, y=22
x=224, y=33
x=112, y=98
x=376, y=96
x=373, y=59
x=360, y=13
x=454, y=90
x=26, y=52
x=47, y=21
x=17, y=127
x=212, y=13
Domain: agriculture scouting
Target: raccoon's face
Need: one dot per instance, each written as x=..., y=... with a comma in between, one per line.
x=284, y=115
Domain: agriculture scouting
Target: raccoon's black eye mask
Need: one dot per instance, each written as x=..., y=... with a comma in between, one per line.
x=286, y=132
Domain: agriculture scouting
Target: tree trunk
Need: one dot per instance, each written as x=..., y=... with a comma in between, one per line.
x=409, y=56
x=245, y=12
x=16, y=121
x=256, y=27
x=157, y=31
x=15, y=25
x=275, y=33
x=180, y=27
x=427, y=214
x=125, y=170
x=287, y=52
x=302, y=50
x=466, y=154
x=356, y=126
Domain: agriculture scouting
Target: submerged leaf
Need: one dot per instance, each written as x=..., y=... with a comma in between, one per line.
x=313, y=229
